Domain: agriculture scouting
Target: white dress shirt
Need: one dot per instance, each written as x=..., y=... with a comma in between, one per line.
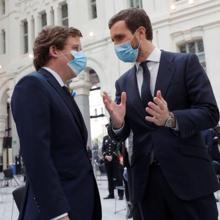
x=60, y=81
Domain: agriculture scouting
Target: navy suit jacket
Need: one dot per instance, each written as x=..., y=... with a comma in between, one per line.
x=53, y=140
x=182, y=155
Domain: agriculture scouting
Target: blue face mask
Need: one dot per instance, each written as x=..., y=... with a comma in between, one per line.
x=78, y=63
x=126, y=52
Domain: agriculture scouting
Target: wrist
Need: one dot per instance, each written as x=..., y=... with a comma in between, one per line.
x=170, y=121
x=117, y=125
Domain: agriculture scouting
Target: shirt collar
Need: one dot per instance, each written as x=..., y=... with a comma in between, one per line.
x=56, y=75
x=153, y=57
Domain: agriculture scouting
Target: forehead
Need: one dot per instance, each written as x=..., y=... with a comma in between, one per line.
x=118, y=28
x=73, y=41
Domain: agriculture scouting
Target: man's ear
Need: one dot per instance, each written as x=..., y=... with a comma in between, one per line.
x=142, y=32
x=54, y=52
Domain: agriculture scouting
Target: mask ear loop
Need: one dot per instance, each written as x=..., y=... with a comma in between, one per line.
x=64, y=55
x=139, y=42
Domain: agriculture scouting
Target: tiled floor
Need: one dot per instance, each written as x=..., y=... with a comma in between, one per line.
x=8, y=209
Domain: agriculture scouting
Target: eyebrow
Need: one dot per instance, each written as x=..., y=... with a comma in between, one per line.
x=117, y=36
x=76, y=46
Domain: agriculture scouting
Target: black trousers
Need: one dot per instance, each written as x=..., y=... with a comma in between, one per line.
x=160, y=203
x=115, y=176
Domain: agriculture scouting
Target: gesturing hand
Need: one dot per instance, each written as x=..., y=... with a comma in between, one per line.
x=116, y=111
x=158, y=110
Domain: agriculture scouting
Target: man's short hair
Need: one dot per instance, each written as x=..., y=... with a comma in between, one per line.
x=51, y=36
x=134, y=18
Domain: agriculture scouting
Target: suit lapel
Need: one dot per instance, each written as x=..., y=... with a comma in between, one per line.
x=81, y=120
x=165, y=74
x=72, y=106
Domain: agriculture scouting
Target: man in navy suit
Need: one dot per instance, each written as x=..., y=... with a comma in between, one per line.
x=52, y=133
x=166, y=100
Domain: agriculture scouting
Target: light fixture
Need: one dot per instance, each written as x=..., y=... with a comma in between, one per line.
x=30, y=55
x=0, y=66
x=91, y=34
x=191, y=1
x=173, y=7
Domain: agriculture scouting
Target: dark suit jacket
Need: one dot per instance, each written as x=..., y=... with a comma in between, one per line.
x=53, y=141
x=183, y=158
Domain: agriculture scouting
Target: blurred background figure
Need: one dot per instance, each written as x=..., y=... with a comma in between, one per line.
x=113, y=164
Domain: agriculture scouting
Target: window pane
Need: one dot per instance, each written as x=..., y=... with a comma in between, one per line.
x=182, y=48
x=64, y=15
x=64, y=10
x=138, y=4
x=25, y=36
x=195, y=47
x=200, y=46
x=44, y=19
x=65, y=22
x=135, y=3
x=92, y=9
x=192, y=48
x=3, y=42
x=25, y=44
x=131, y=3
x=3, y=7
x=25, y=27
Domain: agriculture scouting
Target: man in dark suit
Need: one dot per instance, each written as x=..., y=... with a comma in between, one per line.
x=111, y=153
x=166, y=100
x=52, y=133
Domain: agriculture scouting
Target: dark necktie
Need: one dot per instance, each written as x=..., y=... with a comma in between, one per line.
x=146, y=95
x=66, y=90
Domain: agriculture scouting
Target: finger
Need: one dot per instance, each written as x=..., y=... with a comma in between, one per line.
x=154, y=107
x=106, y=96
x=160, y=103
x=123, y=98
x=108, y=104
x=152, y=112
x=159, y=95
x=151, y=119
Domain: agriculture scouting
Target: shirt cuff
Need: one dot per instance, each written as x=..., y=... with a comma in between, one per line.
x=60, y=216
x=117, y=131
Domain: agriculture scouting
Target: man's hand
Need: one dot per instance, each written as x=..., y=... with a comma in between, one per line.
x=158, y=110
x=108, y=158
x=116, y=111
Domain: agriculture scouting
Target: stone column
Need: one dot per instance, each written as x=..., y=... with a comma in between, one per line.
x=50, y=16
x=37, y=26
x=81, y=85
x=57, y=15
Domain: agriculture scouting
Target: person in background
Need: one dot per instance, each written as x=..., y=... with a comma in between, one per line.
x=111, y=153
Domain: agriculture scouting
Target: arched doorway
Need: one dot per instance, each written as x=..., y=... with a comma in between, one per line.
x=98, y=118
